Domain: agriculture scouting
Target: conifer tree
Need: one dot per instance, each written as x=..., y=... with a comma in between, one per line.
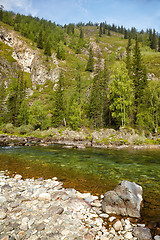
x=159, y=44
x=40, y=40
x=95, y=107
x=109, y=33
x=125, y=34
x=139, y=77
x=2, y=101
x=47, y=50
x=58, y=114
x=81, y=36
x=153, y=40
x=128, y=57
x=100, y=30
x=90, y=64
x=1, y=12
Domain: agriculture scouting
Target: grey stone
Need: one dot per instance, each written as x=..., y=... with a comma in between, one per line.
x=142, y=233
x=2, y=199
x=157, y=237
x=40, y=227
x=124, y=200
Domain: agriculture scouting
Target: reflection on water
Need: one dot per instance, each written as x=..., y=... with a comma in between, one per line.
x=91, y=170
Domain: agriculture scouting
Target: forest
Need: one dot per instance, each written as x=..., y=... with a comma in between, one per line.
x=96, y=88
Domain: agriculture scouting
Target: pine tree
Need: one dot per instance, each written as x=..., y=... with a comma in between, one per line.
x=40, y=40
x=100, y=30
x=139, y=77
x=90, y=64
x=128, y=57
x=109, y=33
x=159, y=44
x=95, y=107
x=58, y=114
x=153, y=40
x=81, y=36
x=47, y=50
x=1, y=12
x=125, y=34
x=60, y=51
x=104, y=28
x=2, y=101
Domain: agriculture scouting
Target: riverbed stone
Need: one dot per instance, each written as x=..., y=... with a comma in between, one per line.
x=63, y=214
x=157, y=237
x=142, y=233
x=124, y=200
x=2, y=199
x=44, y=197
x=117, y=225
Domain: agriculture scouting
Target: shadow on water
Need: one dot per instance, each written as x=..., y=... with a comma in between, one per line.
x=91, y=170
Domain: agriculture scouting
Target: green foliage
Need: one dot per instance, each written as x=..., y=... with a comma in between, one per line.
x=25, y=129
x=139, y=77
x=38, y=118
x=90, y=64
x=122, y=94
x=60, y=52
x=58, y=113
x=47, y=49
x=2, y=102
x=40, y=40
x=8, y=128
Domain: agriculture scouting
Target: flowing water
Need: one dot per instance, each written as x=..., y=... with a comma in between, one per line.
x=91, y=170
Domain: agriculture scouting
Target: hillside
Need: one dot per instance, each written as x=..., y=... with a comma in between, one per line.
x=50, y=85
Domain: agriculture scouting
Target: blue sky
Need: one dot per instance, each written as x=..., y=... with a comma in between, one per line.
x=141, y=14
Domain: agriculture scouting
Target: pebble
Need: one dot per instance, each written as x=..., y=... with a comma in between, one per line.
x=128, y=235
x=111, y=219
x=42, y=209
x=117, y=225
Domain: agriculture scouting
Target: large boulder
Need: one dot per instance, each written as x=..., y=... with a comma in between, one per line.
x=124, y=200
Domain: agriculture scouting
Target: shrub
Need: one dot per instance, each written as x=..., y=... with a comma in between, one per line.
x=8, y=128
x=25, y=129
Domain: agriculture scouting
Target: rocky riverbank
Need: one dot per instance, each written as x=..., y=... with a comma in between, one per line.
x=43, y=209
x=108, y=138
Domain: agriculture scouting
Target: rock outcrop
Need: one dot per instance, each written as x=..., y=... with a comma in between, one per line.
x=29, y=59
x=124, y=200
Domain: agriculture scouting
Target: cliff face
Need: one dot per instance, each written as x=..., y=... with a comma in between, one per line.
x=28, y=59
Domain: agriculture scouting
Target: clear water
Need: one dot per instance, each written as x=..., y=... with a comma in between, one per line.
x=90, y=170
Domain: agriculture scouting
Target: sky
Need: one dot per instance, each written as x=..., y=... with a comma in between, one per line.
x=141, y=14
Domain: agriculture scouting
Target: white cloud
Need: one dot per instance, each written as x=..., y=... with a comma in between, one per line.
x=24, y=6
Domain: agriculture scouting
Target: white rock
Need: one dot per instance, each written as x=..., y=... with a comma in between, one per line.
x=117, y=225
x=112, y=231
x=44, y=197
x=2, y=215
x=2, y=199
x=127, y=227
x=128, y=235
x=111, y=219
x=25, y=220
x=17, y=177
x=24, y=226
x=157, y=237
x=104, y=215
x=104, y=238
x=30, y=223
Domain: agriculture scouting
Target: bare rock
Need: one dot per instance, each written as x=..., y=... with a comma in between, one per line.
x=142, y=233
x=124, y=200
x=117, y=225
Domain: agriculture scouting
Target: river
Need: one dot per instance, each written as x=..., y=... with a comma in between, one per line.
x=91, y=170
